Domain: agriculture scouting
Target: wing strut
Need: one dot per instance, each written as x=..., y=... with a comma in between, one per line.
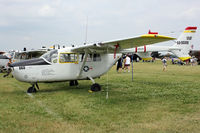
x=116, y=46
x=84, y=61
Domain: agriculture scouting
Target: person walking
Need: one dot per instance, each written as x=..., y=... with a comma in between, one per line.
x=127, y=63
x=119, y=64
x=164, y=61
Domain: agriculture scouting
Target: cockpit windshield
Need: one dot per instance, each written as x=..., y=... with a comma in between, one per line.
x=51, y=56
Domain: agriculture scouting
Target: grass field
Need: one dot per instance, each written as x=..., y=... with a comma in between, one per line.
x=157, y=101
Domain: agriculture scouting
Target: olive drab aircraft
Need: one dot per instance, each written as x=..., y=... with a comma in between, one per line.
x=88, y=61
x=181, y=48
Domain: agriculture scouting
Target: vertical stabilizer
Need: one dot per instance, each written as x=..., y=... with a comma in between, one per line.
x=184, y=43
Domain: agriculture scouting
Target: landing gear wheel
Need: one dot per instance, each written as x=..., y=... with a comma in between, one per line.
x=76, y=82
x=95, y=87
x=31, y=90
x=73, y=83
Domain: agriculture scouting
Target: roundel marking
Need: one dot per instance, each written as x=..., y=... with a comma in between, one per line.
x=86, y=68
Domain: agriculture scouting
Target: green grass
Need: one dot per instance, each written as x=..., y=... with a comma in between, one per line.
x=156, y=102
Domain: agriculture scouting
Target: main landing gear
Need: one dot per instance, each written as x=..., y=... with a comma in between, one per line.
x=32, y=89
x=94, y=87
x=73, y=83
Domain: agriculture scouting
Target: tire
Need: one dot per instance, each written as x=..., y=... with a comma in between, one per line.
x=95, y=87
x=76, y=82
x=31, y=90
x=71, y=83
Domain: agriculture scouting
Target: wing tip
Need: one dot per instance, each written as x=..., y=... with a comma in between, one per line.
x=157, y=36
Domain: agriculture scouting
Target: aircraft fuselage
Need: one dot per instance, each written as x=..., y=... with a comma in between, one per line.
x=54, y=72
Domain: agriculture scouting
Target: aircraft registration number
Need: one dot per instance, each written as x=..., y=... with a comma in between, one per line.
x=21, y=67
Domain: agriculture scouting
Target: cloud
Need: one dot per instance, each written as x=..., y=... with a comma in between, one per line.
x=46, y=11
x=191, y=13
x=56, y=21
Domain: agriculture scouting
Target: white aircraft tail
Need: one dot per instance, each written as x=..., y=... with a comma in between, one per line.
x=183, y=44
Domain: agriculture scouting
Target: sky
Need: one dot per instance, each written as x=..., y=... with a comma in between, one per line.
x=36, y=23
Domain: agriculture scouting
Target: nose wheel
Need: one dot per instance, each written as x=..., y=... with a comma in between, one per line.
x=32, y=89
x=95, y=87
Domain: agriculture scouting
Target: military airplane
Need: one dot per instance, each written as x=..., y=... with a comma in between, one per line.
x=88, y=61
x=181, y=48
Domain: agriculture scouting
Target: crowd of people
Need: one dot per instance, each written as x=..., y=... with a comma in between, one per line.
x=124, y=63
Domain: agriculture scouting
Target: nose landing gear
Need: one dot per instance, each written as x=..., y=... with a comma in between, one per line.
x=32, y=89
x=94, y=87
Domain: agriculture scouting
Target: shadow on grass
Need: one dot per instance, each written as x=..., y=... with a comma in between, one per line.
x=63, y=87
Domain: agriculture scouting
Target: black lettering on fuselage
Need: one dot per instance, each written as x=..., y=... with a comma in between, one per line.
x=189, y=37
x=182, y=42
x=21, y=67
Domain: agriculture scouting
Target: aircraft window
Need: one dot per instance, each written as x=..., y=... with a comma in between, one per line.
x=96, y=57
x=51, y=56
x=81, y=57
x=91, y=57
x=16, y=55
x=68, y=58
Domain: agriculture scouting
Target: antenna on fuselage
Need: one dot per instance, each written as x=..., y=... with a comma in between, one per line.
x=86, y=30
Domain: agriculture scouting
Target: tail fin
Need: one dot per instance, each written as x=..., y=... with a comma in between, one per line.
x=183, y=45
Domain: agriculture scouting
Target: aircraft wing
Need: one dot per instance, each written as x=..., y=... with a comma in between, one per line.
x=124, y=43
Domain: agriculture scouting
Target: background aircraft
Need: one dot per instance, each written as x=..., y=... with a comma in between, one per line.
x=4, y=58
x=181, y=48
x=196, y=54
x=31, y=54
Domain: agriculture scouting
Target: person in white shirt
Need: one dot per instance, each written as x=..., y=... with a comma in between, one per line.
x=164, y=61
x=127, y=63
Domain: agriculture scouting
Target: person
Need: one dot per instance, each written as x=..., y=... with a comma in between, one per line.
x=173, y=62
x=164, y=61
x=127, y=63
x=193, y=61
x=119, y=64
x=8, y=68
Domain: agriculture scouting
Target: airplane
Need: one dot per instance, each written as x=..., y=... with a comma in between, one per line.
x=4, y=59
x=181, y=48
x=88, y=61
x=196, y=54
x=31, y=54
x=17, y=56
x=26, y=55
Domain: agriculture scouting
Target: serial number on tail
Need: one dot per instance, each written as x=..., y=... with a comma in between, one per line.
x=182, y=42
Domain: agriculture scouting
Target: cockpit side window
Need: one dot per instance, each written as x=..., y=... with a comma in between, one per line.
x=90, y=57
x=68, y=58
x=51, y=56
x=96, y=57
